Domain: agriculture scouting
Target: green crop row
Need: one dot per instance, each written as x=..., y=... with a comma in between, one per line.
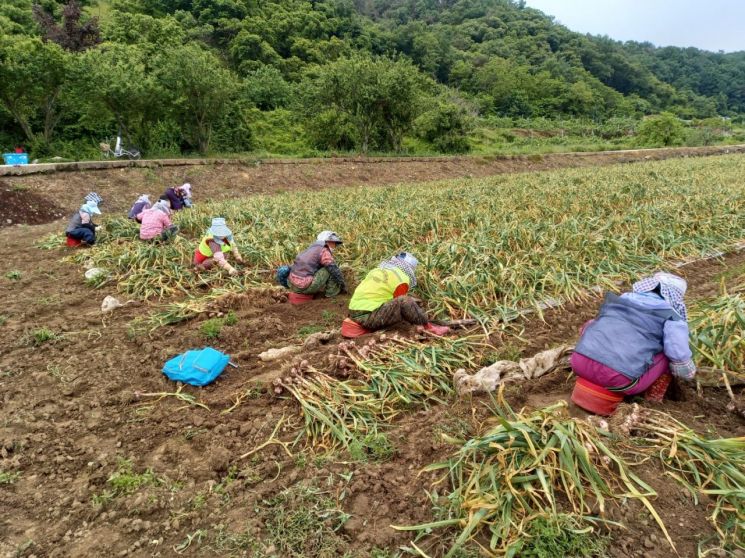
x=486, y=246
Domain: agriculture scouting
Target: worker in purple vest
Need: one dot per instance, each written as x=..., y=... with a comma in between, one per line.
x=315, y=269
x=177, y=197
x=638, y=339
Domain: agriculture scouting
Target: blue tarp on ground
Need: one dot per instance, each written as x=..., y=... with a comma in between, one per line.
x=196, y=367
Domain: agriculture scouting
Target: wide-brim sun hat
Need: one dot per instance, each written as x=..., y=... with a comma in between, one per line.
x=329, y=236
x=91, y=207
x=219, y=228
x=93, y=197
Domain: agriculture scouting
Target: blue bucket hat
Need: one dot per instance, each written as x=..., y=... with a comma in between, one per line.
x=219, y=229
x=91, y=208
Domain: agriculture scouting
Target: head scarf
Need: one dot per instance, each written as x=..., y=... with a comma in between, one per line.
x=406, y=265
x=186, y=188
x=162, y=205
x=94, y=197
x=672, y=289
x=143, y=198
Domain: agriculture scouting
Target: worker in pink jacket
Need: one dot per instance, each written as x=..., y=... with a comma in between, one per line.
x=156, y=223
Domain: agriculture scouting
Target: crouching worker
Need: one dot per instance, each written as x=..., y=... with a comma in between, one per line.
x=315, y=270
x=81, y=229
x=156, y=223
x=176, y=197
x=215, y=246
x=634, y=346
x=381, y=299
x=142, y=203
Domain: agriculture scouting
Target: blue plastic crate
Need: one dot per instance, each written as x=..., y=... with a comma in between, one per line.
x=15, y=158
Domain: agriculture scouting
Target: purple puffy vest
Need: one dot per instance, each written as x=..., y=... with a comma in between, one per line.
x=308, y=262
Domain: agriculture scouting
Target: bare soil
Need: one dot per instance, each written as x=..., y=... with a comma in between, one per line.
x=75, y=405
x=120, y=187
x=20, y=206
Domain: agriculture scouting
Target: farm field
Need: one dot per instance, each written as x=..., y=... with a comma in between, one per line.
x=320, y=454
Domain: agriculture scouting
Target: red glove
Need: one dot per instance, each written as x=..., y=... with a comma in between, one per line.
x=435, y=329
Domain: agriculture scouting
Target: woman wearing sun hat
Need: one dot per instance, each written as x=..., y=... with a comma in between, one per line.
x=80, y=228
x=215, y=246
x=315, y=270
x=638, y=341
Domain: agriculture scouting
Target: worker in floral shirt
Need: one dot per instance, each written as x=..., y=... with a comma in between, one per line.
x=315, y=269
x=176, y=197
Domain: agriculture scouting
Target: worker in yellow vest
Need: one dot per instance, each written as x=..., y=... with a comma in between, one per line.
x=215, y=246
x=381, y=300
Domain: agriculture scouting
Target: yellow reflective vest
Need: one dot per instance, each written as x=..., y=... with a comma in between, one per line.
x=206, y=251
x=377, y=288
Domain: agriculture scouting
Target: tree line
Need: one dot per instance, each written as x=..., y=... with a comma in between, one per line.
x=197, y=75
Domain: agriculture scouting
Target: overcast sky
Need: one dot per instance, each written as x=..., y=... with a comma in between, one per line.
x=710, y=24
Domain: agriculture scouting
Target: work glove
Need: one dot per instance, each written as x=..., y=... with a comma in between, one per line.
x=436, y=329
x=227, y=267
x=337, y=276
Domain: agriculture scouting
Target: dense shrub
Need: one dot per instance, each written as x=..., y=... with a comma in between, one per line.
x=446, y=126
x=662, y=129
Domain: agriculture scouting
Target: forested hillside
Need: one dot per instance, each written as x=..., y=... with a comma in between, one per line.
x=309, y=77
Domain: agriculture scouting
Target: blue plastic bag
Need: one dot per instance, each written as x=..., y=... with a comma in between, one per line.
x=197, y=367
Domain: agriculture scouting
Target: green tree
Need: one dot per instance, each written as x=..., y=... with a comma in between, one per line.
x=115, y=80
x=267, y=89
x=16, y=17
x=446, y=125
x=199, y=90
x=378, y=97
x=32, y=77
x=661, y=129
x=150, y=32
